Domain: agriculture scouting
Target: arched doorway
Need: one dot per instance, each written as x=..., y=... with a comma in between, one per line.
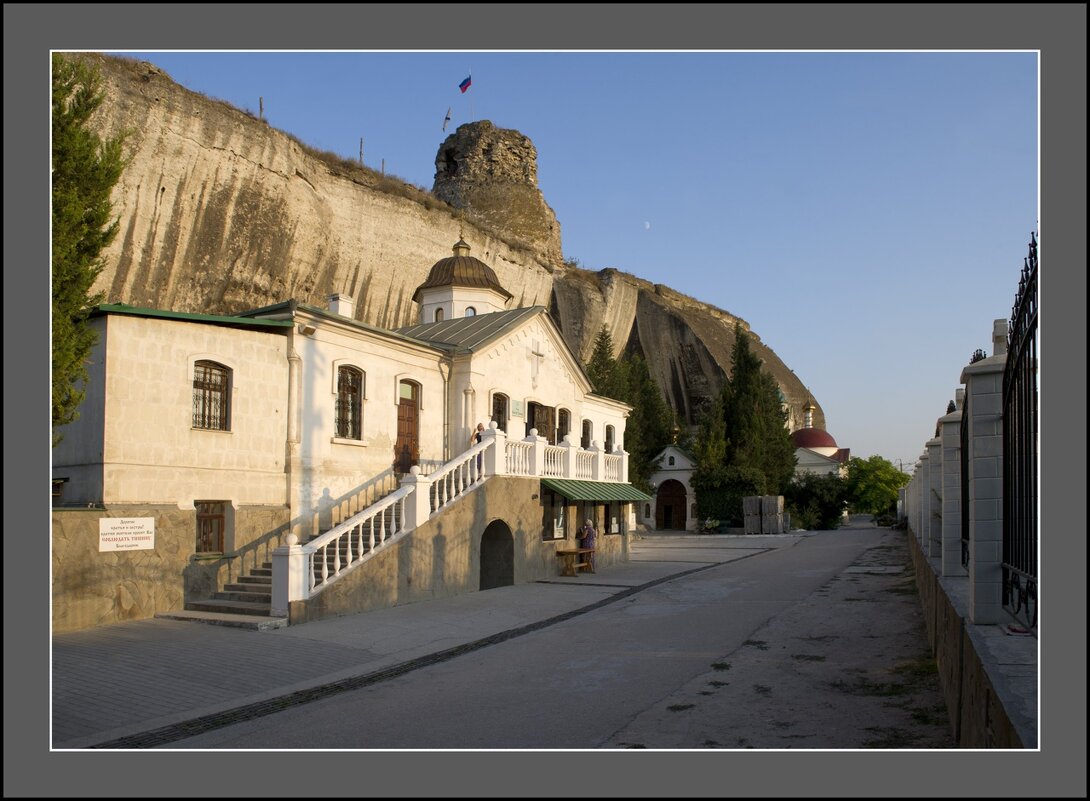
x=670, y=506
x=497, y=556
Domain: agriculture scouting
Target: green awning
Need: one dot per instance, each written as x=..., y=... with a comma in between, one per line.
x=575, y=490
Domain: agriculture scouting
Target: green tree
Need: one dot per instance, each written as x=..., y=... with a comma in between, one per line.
x=84, y=171
x=755, y=422
x=744, y=447
x=872, y=485
x=649, y=427
x=603, y=371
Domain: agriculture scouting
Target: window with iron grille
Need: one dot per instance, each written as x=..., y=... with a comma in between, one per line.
x=349, y=403
x=211, y=396
x=211, y=520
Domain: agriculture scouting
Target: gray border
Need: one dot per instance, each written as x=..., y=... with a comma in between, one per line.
x=1058, y=30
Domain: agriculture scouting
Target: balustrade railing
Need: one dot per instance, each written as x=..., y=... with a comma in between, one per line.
x=611, y=467
x=344, y=546
x=554, y=461
x=456, y=477
x=519, y=461
x=308, y=569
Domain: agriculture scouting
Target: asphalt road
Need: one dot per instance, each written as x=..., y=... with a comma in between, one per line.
x=818, y=644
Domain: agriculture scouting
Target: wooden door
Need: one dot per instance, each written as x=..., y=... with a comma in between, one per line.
x=407, y=447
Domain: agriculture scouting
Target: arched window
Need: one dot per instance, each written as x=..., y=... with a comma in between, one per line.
x=349, y=415
x=563, y=424
x=671, y=460
x=439, y=315
x=609, y=439
x=211, y=396
x=470, y=312
x=588, y=432
x=499, y=410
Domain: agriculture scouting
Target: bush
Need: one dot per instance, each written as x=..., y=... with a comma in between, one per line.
x=816, y=501
x=719, y=492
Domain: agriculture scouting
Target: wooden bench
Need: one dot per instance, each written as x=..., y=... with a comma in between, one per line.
x=574, y=559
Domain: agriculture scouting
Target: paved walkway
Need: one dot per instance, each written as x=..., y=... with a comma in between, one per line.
x=141, y=683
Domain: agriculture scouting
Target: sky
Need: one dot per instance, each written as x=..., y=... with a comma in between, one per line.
x=867, y=213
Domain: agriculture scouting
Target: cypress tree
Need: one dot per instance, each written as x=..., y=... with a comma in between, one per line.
x=602, y=369
x=744, y=447
x=649, y=427
x=84, y=171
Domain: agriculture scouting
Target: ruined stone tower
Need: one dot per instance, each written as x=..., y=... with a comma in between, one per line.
x=492, y=173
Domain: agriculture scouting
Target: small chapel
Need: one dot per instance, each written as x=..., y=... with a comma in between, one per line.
x=292, y=462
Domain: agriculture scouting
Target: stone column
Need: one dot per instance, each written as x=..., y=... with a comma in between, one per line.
x=537, y=452
x=984, y=392
x=418, y=504
x=597, y=462
x=495, y=458
x=951, y=489
x=568, y=458
x=289, y=576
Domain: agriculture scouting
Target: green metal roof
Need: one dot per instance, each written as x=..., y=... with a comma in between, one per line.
x=470, y=333
x=594, y=490
x=219, y=319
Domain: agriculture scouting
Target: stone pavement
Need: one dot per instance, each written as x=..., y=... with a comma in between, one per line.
x=149, y=683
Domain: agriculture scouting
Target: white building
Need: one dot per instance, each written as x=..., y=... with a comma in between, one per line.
x=674, y=505
x=294, y=419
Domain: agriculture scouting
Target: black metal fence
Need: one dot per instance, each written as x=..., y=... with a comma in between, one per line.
x=1020, y=450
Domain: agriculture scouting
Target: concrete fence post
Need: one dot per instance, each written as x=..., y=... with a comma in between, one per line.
x=934, y=496
x=984, y=391
x=951, y=490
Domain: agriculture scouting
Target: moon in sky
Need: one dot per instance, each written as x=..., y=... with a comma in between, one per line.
x=647, y=225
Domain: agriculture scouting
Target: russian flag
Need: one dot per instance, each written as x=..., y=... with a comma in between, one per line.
x=466, y=84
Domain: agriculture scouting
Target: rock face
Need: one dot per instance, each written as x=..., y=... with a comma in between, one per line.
x=220, y=213
x=493, y=173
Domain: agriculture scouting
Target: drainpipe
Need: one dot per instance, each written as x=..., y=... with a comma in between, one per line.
x=295, y=369
x=448, y=362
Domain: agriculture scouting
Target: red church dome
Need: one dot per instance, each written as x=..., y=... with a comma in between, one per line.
x=813, y=438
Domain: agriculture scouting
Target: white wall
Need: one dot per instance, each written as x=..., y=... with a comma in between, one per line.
x=509, y=366
x=150, y=451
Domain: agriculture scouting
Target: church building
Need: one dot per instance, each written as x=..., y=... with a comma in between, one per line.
x=815, y=449
x=294, y=462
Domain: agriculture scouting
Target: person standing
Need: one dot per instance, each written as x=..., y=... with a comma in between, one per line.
x=474, y=438
x=590, y=540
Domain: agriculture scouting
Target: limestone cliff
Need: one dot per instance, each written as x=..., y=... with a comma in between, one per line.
x=220, y=212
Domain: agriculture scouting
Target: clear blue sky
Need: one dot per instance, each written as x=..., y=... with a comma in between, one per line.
x=866, y=213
